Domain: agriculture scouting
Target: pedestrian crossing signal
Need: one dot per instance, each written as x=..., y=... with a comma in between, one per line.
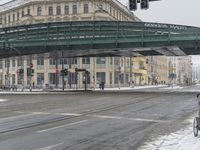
x=64, y=72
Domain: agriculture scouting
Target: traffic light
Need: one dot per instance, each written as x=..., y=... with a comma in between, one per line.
x=144, y=4
x=30, y=72
x=64, y=72
x=132, y=4
x=21, y=71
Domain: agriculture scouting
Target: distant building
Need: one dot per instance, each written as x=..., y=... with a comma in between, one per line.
x=158, y=70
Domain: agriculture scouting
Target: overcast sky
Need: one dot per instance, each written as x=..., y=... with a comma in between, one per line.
x=185, y=12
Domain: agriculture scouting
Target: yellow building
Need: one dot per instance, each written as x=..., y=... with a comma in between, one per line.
x=140, y=76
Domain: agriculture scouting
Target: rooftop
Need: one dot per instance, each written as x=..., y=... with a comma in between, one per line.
x=15, y=3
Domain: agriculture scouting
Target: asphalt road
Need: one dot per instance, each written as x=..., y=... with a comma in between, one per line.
x=91, y=121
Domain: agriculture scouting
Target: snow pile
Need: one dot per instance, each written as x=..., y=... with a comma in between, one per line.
x=135, y=87
x=180, y=140
x=174, y=87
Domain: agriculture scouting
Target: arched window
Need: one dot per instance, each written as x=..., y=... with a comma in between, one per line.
x=58, y=10
x=39, y=11
x=85, y=8
x=50, y=11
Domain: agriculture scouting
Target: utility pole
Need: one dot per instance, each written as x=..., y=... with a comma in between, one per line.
x=56, y=57
x=131, y=71
x=63, y=77
x=31, y=66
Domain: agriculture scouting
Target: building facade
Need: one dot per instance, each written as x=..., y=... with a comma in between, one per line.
x=158, y=68
x=113, y=71
x=140, y=70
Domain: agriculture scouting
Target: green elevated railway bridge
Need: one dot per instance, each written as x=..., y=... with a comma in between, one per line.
x=100, y=38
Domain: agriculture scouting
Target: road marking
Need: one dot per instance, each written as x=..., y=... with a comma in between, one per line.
x=131, y=119
x=3, y=100
x=68, y=114
x=149, y=120
x=67, y=125
x=106, y=117
x=16, y=117
x=50, y=147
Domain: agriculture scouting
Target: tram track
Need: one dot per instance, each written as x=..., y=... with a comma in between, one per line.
x=62, y=118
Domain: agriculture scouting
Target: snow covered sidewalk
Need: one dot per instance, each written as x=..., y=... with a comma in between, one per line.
x=180, y=140
x=132, y=88
x=174, y=87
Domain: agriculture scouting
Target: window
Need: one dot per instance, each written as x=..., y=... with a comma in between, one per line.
x=28, y=62
x=101, y=60
x=9, y=19
x=40, y=78
x=111, y=61
x=74, y=60
x=117, y=61
x=0, y=20
x=114, y=13
x=141, y=65
x=50, y=11
x=58, y=10
x=63, y=60
x=7, y=63
x=66, y=10
x=74, y=9
x=40, y=61
x=85, y=8
x=1, y=64
x=17, y=15
x=116, y=78
x=110, y=77
x=5, y=20
x=52, y=78
x=13, y=63
x=28, y=11
x=100, y=77
x=13, y=17
x=52, y=61
x=73, y=78
x=22, y=13
x=13, y=78
x=86, y=60
x=39, y=11
x=19, y=62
